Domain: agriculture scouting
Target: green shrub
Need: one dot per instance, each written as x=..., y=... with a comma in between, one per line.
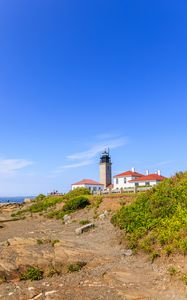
x=168, y=250
x=77, y=192
x=75, y=267
x=158, y=218
x=40, y=197
x=183, y=246
x=76, y=203
x=73, y=200
x=32, y=274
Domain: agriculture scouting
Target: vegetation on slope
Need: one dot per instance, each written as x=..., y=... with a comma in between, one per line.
x=71, y=202
x=70, y=206
x=157, y=221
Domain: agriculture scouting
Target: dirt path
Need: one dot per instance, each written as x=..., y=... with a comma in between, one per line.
x=109, y=274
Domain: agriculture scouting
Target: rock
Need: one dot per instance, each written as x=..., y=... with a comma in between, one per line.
x=67, y=219
x=84, y=228
x=37, y=296
x=128, y=252
x=27, y=200
x=18, y=241
x=103, y=216
x=50, y=292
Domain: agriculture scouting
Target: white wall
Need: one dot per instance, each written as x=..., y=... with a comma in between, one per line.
x=90, y=187
x=121, y=184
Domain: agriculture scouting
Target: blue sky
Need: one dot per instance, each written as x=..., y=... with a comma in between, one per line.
x=76, y=76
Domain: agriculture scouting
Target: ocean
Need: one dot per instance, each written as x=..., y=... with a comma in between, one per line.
x=14, y=199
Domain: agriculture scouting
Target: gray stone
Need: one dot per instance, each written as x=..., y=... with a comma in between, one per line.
x=128, y=252
x=67, y=219
x=84, y=228
x=27, y=200
x=102, y=216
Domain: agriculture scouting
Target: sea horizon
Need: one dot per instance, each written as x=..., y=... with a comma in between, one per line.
x=14, y=199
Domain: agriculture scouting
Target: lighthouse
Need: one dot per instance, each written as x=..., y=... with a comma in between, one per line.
x=105, y=169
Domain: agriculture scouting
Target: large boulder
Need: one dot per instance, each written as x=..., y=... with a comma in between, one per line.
x=84, y=228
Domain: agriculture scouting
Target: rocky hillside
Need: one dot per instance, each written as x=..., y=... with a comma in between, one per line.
x=66, y=248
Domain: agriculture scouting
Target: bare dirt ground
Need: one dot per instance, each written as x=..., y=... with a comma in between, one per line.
x=110, y=274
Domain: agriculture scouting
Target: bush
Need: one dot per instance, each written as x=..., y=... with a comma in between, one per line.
x=158, y=217
x=76, y=203
x=77, y=192
x=75, y=267
x=73, y=198
x=32, y=274
x=40, y=197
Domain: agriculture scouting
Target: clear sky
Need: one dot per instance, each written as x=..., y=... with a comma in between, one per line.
x=76, y=76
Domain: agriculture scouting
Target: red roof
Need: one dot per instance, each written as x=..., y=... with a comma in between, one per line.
x=129, y=173
x=87, y=182
x=150, y=177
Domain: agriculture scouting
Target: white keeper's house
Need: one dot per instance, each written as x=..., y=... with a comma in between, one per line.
x=90, y=184
x=131, y=179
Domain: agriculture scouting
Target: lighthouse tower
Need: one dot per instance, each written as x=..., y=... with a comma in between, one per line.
x=105, y=169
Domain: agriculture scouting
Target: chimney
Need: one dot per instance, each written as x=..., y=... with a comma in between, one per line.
x=133, y=170
x=147, y=172
x=158, y=172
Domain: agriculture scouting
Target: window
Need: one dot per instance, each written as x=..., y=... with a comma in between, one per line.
x=116, y=180
x=125, y=180
x=136, y=184
x=147, y=183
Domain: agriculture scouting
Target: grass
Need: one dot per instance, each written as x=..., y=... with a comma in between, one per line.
x=39, y=242
x=76, y=267
x=157, y=220
x=84, y=222
x=45, y=203
x=96, y=201
x=54, y=242
x=172, y=271
x=52, y=271
x=2, y=279
x=32, y=273
x=184, y=278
